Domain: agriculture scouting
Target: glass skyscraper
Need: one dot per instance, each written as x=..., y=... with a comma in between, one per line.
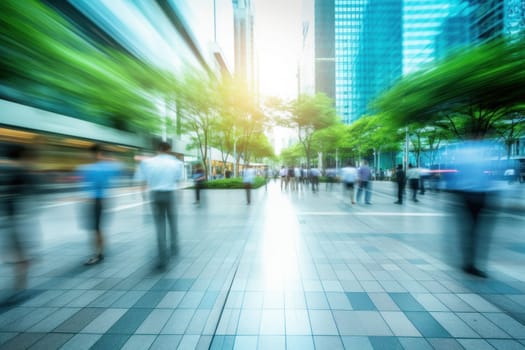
x=368, y=52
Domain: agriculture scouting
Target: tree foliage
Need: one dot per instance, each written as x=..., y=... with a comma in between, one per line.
x=472, y=93
x=46, y=61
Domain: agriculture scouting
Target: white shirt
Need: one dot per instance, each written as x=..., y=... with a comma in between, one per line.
x=349, y=174
x=249, y=176
x=161, y=172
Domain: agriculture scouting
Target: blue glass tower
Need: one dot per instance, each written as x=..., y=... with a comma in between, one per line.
x=368, y=52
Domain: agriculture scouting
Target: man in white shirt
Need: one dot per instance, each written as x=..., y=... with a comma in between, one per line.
x=248, y=179
x=349, y=177
x=161, y=174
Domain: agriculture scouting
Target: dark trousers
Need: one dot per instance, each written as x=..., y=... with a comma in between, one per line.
x=248, y=187
x=414, y=186
x=163, y=206
x=400, y=191
x=198, y=187
x=473, y=241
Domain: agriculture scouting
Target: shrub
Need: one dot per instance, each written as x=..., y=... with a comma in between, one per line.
x=231, y=183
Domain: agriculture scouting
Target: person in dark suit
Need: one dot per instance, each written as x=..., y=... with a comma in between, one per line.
x=401, y=181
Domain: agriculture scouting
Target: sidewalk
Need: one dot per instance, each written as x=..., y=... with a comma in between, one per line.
x=294, y=270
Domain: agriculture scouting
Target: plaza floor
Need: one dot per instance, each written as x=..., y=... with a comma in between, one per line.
x=292, y=270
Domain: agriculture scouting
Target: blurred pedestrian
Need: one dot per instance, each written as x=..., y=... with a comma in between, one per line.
x=160, y=176
x=472, y=185
x=349, y=177
x=97, y=178
x=248, y=178
x=283, y=174
x=364, y=176
x=401, y=181
x=314, y=178
x=18, y=187
x=330, y=179
x=413, y=181
x=199, y=177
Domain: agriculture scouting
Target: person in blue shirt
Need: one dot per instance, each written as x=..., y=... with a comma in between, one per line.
x=97, y=178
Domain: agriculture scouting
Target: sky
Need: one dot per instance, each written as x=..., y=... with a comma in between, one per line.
x=278, y=35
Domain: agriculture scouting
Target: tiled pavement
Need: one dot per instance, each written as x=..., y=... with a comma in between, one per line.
x=291, y=271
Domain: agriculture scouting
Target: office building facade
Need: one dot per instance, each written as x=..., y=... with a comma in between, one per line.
x=244, y=42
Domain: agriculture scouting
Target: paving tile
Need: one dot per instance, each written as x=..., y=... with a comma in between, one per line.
x=86, y=298
x=406, y=302
x=445, y=344
x=399, y=324
x=475, y=344
x=454, y=303
x=322, y=322
x=316, y=300
x=51, y=341
x=297, y=322
x=198, y=322
x=22, y=341
x=328, y=342
x=130, y=321
x=79, y=320
x=253, y=300
x=155, y=321
x=54, y=320
x=171, y=300
x=271, y=342
x=150, y=299
x=166, y=342
x=107, y=299
x=81, y=342
x=228, y=322
x=30, y=319
x=427, y=325
x=245, y=342
x=362, y=343
x=294, y=300
x=272, y=322
x=482, y=325
x=507, y=323
x=360, y=301
x=415, y=343
x=338, y=301
x=383, y=302
x=220, y=342
x=104, y=321
x=507, y=344
x=430, y=302
x=372, y=286
x=454, y=325
x=178, y=322
x=385, y=343
x=361, y=323
x=479, y=303
x=249, y=321
x=128, y=299
x=110, y=341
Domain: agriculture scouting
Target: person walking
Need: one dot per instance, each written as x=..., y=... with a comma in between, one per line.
x=97, y=178
x=364, y=175
x=400, y=180
x=160, y=175
x=473, y=187
x=283, y=174
x=349, y=176
x=19, y=227
x=248, y=178
x=413, y=181
x=198, y=178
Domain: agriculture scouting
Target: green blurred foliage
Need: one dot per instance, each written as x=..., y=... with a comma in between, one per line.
x=46, y=61
x=232, y=183
x=472, y=93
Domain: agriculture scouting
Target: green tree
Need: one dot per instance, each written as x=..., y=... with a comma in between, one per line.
x=472, y=93
x=308, y=114
x=46, y=62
